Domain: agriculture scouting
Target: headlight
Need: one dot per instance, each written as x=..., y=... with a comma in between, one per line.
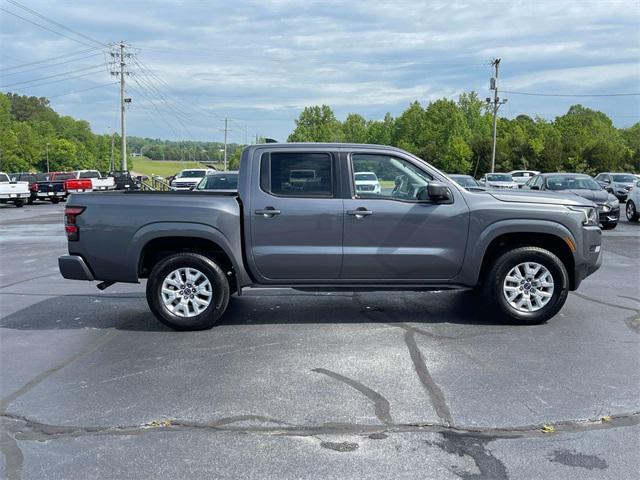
x=590, y=215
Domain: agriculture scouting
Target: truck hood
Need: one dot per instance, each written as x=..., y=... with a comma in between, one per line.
x=547, y=198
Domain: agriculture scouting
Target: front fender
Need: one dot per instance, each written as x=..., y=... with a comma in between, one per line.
x=478, y=246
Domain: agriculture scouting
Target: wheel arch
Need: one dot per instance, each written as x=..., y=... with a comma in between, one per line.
x=507, y=235
x=156, y=241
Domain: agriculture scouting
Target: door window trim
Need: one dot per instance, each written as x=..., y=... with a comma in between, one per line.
x=334, y=176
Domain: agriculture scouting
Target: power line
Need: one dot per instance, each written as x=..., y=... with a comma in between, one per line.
x=48, y=29
x=46, y=60
x=632, y=94
x=49, y=66
x=47, y=19
x=50, y=76
x=82, y=90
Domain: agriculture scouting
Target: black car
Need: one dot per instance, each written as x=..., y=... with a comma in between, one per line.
x=466, y=181
x=124, y=181
x=583, y=186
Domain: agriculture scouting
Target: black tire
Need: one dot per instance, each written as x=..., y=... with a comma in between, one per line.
x=632, y=211
x=216, y=276
x=19, y=203
x=55, y=200
x=30, y=201
x=495, y=277
x=609, y=226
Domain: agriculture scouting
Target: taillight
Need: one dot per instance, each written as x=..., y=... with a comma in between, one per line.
x=34, y=187
x=70, y=226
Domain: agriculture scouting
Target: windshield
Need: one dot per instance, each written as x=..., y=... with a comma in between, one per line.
x=464, y=181
x=499, y=177
x=565, y=182
x=219, y=182
x=191, y=174
x=623, y=178
x=366, y=177
x=90, y=174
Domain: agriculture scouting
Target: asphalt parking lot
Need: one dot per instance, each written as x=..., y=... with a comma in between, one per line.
x=299, y=385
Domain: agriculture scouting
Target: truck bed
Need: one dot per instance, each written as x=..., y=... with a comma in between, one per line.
x=116, y=226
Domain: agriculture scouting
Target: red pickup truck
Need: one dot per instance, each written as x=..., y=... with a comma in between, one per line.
x=71, y=183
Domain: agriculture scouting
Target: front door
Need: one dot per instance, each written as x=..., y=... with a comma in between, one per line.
x=389, y=234
x=296, y=217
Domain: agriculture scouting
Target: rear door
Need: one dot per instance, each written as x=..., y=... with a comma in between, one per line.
x=391, y=235
x=296, y=216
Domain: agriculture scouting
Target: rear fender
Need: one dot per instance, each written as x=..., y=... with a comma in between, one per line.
x=153, y=231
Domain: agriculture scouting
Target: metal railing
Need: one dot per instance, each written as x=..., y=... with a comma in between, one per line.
x=154, y=184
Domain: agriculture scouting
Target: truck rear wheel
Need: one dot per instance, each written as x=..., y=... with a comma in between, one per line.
x=527, y=285
x=188, y=291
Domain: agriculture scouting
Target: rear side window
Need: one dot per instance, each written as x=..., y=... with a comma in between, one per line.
x=89, y=175
x=297, y=174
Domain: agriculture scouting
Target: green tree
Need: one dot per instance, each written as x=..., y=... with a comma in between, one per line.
x=316, y=124
x=355, y=129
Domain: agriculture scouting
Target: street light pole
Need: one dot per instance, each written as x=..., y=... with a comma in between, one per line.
x=47, y=150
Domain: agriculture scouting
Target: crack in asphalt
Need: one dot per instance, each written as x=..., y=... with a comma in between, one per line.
x=381, y=404
x=14, y=458
x=632, y=322
x=29, y=279
x=23, y=428
x=431, y=387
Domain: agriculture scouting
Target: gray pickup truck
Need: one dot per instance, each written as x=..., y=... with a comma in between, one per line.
x=417, y=230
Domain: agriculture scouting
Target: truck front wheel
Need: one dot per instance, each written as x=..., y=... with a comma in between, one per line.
x=187, y=291
x=527, y=285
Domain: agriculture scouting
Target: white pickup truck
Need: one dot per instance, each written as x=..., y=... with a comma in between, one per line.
x=14, y=192
x=98, y=182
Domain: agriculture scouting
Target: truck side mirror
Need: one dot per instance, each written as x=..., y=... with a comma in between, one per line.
x=436, y=191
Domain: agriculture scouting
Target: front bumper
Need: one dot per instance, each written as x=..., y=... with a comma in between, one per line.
x=74, y=267
x=611, y=216
x=588, y=258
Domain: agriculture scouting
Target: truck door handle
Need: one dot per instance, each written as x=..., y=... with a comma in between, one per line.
x=268, y=212
x=359, y=212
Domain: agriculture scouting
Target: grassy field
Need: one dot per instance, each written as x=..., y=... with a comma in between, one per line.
x=144, y=166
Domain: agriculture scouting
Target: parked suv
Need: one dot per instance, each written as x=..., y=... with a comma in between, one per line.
x=367, y=182
x=522, y=176
x=617, y=183
x=584, y=186
x=188, y=179
x=498, y=180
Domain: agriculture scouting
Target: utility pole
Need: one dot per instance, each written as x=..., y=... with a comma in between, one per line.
x=47, y=150
x=225, y=130
x=119, y=69
x=495, y=105
x=112, y=162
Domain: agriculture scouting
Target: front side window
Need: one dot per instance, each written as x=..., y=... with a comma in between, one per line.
x=293, y=174
x=387, y=177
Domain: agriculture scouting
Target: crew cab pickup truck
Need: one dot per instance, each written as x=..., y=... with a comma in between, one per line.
x=524, y=251
x=98, y=182
x=13, y=191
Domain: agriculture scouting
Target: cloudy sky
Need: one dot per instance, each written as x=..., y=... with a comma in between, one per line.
x=260, y=63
